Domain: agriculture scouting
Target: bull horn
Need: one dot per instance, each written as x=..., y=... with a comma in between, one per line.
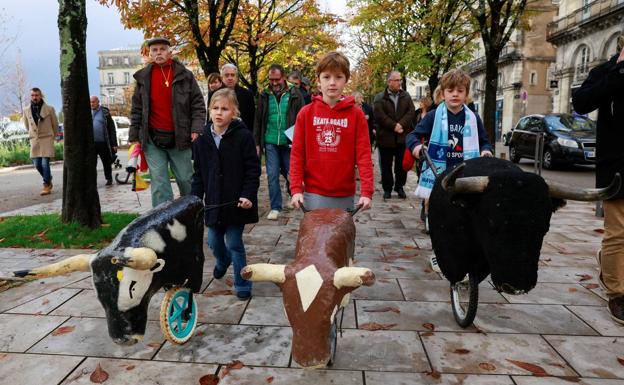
x=69, y=265
x=466, y=185
x=264, y=272
x=353, y=277
x=139, y=258
x=563, y=191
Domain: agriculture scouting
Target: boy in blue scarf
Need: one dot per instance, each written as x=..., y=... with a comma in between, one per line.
x=452, y=132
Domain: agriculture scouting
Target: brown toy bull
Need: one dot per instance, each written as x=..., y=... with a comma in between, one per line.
x=317, y=284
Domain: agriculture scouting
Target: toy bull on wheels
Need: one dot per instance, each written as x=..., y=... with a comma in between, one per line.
x=161, y=249
x=488, y=216
x=316, y=285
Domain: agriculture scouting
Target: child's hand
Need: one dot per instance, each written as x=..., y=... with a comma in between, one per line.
x=244, y=203
x=365, y=202
x=297, y=200
x=416, y=152
x=486, y=154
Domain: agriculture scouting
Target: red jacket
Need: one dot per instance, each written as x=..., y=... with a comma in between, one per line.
x=327, y=145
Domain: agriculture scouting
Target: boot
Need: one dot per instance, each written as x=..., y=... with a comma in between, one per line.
x=47, y=189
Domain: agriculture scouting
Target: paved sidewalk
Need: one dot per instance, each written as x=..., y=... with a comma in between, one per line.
x=53, y=331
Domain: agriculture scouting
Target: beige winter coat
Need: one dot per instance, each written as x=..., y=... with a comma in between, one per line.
x=42, y=135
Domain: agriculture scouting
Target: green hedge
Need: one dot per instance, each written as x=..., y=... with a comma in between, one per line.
x=18, y=153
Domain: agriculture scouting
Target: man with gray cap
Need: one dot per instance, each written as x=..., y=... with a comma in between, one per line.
x=168, y=113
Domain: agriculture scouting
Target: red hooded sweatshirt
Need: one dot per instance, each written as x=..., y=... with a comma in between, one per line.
x=327, y=145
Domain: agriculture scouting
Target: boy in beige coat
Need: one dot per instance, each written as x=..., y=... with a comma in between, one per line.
x=42, y=124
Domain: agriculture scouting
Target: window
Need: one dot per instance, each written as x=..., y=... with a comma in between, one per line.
x=582, y=63
x=533, y=78
x=126, y=60
x=109, y=61
x=111, y=78
x=126, y=77
x=111, y=96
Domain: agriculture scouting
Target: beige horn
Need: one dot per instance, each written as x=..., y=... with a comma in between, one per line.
x=69, y=265
x=140, y=258
x=466, y=185
x=353, y=277
x=563, y=191
x=264, y=272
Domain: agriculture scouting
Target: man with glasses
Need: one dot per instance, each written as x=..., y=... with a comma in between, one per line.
x=394, y=114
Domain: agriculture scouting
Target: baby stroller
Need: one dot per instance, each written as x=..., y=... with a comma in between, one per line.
x=136, y=162
x=115, y=160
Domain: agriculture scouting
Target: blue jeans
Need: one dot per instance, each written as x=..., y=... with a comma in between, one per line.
x=226, y=243
x=43, y=166
x=277, y=161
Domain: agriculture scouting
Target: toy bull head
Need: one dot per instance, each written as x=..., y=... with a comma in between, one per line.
x=161, y=247
x=317, y=284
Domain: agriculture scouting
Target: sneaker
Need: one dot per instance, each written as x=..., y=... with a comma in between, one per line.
x=273, y=214
x=616, y=308
x=243, y=295
x=109, y=182
x=401, y=193
x=217, y=273
x=47, y=189
x=434, y=264
x=387, y=195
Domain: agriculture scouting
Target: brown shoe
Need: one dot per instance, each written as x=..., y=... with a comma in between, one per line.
x=616, y=308
x=47, y=189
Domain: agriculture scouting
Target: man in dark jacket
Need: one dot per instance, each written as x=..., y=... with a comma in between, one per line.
x=394, y=115
x=604, y=90
x=246, y=103
x=168, y=113
x=105, y=136
x=278, y=106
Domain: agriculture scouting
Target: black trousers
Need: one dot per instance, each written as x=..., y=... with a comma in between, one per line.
x=104, y=152
x=386, y=156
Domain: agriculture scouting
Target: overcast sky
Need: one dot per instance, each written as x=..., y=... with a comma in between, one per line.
x=34, y=22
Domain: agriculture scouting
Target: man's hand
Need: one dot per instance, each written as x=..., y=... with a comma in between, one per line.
x=416, y=152
x=134, y=142
x=194, y=136
x=115, y=149
x=398, y=128
x=244, y=203
x=621, y=57
x=365, y=202
x=486, y=154
x=258, y=151
x=297, y=200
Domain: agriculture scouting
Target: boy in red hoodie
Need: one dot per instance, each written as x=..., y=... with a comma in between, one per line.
x=331, y=138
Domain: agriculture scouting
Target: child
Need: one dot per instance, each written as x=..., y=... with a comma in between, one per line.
x=330, y=139
x=227, y=170
x=453, y=133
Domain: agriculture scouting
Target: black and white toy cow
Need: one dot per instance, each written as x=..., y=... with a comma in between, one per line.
x=489, y=216
x=161, y=248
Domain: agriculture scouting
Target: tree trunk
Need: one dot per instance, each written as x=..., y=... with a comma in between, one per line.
x=489, y=104
x=81, y=202
x=433, y=81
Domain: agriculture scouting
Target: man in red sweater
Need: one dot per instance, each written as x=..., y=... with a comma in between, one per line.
x=331, y=138
x=168, y=113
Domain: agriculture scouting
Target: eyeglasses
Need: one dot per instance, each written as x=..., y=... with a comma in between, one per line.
x=394, y=80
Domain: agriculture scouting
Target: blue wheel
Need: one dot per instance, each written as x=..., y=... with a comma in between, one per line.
x=176, y=323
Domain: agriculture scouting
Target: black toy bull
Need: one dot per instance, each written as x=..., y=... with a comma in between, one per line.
x=317, y=283
x=488, y=216
x=162, y=248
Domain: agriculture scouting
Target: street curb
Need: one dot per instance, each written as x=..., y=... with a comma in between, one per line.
x=5, y=170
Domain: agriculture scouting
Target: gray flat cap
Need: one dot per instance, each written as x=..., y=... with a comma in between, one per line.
x=158, y=40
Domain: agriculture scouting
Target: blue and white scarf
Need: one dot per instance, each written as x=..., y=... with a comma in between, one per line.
x=439, y=146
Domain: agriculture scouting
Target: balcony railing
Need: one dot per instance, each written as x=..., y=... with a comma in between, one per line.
x=479, y=63
x=586, y=14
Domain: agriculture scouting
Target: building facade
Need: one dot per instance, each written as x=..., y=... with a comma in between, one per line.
x=116, y=67
x=585, y=33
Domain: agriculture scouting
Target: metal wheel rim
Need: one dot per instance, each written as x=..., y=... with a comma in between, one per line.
x=547, y=161
x=456, y=298
x=512, y=152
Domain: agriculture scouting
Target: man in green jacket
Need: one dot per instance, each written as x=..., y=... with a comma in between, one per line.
x=168, y=113
x=277, y=110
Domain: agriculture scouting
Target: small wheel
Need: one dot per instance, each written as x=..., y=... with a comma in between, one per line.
x=513, y=154
x=463, y=312
x=333, y=340
x=176, y=324
x=547, y=161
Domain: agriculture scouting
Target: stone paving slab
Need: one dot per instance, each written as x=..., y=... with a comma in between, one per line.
x=598, y=318
x=46, y=303
x=30, y=369
x=19, y=332
x=280, y=376
x=591, y=356
x=477, y=353
x=439, y=291
x=557, y=294
x=134, y=372
x=389, y=378
x=89, y=337
x=563, y=381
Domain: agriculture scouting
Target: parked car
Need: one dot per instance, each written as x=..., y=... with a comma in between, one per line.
x=60, y=133
x=13, y=132
x=507, y=137
x=568, y=139
x=122, y=124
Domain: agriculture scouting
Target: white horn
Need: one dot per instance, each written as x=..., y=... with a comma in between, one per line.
x=140, y=258
x=353, y=277
x=264, y=272
x=69, y=265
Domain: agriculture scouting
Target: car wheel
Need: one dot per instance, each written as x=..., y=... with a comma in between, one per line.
x=547, y=160
x=513, y=154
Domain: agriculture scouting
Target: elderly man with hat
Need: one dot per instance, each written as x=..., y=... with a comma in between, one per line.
x=168, y=113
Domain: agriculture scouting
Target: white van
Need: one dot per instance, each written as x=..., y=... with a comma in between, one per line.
x=122, y=124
